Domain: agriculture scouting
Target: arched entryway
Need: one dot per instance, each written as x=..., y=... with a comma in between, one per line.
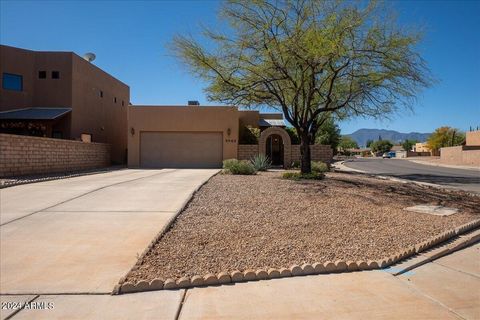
x=275, y=143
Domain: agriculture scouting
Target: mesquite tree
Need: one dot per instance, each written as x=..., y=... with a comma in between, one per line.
x=309, y=59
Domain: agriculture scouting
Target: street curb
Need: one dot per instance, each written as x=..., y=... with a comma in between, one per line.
x=144, y=285
x=338, y=266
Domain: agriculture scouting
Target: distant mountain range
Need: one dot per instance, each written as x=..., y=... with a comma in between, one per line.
x=361, y=136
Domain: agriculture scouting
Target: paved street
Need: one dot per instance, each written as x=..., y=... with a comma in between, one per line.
x=458, y=178
x=80, y=235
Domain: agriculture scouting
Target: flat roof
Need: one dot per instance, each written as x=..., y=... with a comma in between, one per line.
x=34, y=114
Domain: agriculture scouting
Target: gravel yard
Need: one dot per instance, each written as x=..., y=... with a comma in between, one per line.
x=263, y=221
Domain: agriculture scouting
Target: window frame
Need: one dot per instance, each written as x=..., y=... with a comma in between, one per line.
x=15, y=75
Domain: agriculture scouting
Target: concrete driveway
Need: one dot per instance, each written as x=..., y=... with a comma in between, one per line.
x=464, y=179
x=80, y=235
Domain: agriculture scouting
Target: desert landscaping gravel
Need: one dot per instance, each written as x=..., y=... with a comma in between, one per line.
x=263, y=221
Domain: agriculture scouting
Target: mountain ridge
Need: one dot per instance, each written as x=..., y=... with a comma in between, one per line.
x=361, y=136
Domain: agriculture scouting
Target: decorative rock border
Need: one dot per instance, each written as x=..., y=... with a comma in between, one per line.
x=7, y=182
x=306, y=269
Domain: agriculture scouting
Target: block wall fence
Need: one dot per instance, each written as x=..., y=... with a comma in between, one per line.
x=461, y=155
x=23, y=155
x=318, y=152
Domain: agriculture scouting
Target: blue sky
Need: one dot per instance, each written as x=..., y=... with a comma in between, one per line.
x=130, y=38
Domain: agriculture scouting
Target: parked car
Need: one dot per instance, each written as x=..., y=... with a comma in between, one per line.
x=388, y=155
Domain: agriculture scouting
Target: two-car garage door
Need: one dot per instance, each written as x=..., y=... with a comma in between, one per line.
x=181, y=149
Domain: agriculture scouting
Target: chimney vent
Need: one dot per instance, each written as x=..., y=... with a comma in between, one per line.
x=193, y=103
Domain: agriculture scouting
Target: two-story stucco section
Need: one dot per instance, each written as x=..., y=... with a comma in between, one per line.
x=181, y=136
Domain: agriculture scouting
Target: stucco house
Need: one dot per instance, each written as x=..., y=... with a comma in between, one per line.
x=63, y=96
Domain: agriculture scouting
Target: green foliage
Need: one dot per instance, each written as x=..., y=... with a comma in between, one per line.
x=234, y=166
x=295, y=164
x=261, y=162
x=308, y=59
x=407, y=145
x=346, y=143
x=369, y=143
x=295, y=175
x=329, y=134
x=293, y=135
x=445, y=137
x=249, y=135
x=381, y=146
x=319, y=166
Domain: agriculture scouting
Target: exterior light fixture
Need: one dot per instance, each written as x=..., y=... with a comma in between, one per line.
x=132, y=131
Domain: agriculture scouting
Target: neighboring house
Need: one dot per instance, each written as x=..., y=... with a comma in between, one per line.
x=61, y=95
x=421, y=147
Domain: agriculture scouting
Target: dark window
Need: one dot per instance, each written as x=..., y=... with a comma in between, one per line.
x=115, y=99
x=101, y=94
x=12, y=82
x=55, y=75
x=42, y=74
x=123, y=103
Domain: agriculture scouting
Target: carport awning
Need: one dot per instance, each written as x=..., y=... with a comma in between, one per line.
x=34, y=114
x=271, y=123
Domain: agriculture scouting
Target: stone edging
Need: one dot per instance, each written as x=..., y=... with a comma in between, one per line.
x=164, y=230
x=58, y=176
x=295, y=270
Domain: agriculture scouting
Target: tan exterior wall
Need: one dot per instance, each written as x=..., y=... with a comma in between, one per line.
x=182, y=118
x=247, y=151
x=248, y=118
x=318, y=152
x=460, y=155
x=277, y=116
x=22, y=155
x=473, y=138
x=78, y=88
x=102, y=117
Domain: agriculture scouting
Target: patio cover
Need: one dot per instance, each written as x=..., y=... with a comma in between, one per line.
x=34, y=114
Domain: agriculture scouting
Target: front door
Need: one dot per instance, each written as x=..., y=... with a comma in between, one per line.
x=275, y=149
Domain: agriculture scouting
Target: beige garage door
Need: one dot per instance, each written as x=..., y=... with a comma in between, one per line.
x=181, y=149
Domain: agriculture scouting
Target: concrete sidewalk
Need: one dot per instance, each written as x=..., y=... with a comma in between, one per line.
x=447, y=288
x=81, y=235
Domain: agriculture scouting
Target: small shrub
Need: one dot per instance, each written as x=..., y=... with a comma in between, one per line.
x=295, y=164
x=295, y=175
x=261, y=162
x=319, y=166
x=234, y=166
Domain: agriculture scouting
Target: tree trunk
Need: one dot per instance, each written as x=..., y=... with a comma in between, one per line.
x=306, y=166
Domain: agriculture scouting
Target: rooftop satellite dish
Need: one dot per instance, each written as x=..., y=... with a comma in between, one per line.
x=89, y=56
